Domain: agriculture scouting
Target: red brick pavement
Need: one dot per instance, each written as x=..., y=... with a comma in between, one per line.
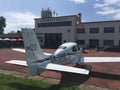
x=102, y=74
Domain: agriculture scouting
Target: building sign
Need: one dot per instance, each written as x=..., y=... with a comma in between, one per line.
x=53, y=19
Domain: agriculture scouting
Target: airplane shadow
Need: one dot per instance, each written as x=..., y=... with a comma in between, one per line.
x=73, y=79
x=77, y=79
x=104, y=75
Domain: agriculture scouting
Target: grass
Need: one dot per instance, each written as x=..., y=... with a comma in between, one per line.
x=8, y=82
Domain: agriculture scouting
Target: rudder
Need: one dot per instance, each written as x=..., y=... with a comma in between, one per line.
x=33, y=50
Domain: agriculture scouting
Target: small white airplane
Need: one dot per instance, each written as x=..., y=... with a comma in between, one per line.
x=37, y=61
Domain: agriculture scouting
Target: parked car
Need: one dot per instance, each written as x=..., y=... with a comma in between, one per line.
x=112, y=48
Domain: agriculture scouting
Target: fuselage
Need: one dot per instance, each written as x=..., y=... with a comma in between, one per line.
x=67, y=53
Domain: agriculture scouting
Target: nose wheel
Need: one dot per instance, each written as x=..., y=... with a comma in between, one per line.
x=84, y=66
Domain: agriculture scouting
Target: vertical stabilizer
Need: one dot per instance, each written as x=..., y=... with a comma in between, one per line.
x=33, y=50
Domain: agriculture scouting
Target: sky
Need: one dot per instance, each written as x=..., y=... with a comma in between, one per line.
x=21, y=13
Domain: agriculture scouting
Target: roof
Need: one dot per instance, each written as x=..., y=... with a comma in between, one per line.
x=102, y=21
x=76, y=16
x=58, y=17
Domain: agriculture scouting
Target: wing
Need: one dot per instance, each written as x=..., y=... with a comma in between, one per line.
x=58, y=67
x=51, y=66
x=23, y=51
x=100, y=59
x=19, y=50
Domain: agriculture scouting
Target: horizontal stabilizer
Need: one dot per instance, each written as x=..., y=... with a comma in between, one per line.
x=17, y=62
x=100, y=59
x=19, y=50
x=23, y=51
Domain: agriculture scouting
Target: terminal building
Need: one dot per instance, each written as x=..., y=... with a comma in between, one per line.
x=53, y=31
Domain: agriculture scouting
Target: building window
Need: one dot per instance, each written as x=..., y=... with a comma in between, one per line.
x=119, y=42
x=55, y=24
x=81, y=42
x=80, y=30
x=119, y=29
x=109, y=30
x=108, y=42
x=94, y=30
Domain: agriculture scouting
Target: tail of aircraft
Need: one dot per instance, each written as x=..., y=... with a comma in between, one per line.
x=33, y=50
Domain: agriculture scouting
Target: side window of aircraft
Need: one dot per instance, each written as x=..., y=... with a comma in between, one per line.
x=62, y=47
x=74, y=49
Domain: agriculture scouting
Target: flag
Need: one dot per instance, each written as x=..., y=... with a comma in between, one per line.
x=56, y=14
x=80, y=24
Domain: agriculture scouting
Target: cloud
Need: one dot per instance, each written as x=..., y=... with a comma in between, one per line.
x=97, y=0
x=79, y=1
x=108, y=11
x=108, y=3
x=109, y=7
x=17, y=20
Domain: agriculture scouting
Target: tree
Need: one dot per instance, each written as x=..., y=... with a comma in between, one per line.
x=12, y=32
x=18, y=32
x=2, y=24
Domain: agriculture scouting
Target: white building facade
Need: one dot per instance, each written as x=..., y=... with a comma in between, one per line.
x=54, y=31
